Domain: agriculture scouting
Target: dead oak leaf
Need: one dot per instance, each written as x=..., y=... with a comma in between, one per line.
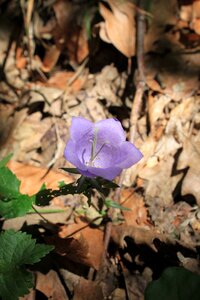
x=138, y=234
x=119, y=25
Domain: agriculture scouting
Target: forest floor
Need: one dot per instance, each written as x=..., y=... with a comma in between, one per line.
x=53, y=68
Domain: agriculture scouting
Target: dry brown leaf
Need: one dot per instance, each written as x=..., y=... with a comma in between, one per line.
x=138, y=234
x=171, y=85
x=191, y=14
x=190, y=157
x=50, y=59
x=80, y=243
x=186, y=12
x=137, y=215
x=21, y=60
x=50, y=285
x=87, y=289
x=136, y=283
x=68, y=32
x=60, y=79
x=195, y=24
x=119, y=25
x=32, y=177
x=155, y=168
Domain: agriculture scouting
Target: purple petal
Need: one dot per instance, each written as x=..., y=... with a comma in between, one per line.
x=129, y=155
x=107, y=173
x=80, y=127
x=107, y=155
x=83, y=150
x=71, y=155
x=110, y=131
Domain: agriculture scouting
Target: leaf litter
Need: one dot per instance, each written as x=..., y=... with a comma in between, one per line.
x=162, y=191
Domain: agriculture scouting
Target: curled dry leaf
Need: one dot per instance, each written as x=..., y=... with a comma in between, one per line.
x=119, y=25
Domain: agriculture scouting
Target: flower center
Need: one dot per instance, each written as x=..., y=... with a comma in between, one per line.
x=94, y=152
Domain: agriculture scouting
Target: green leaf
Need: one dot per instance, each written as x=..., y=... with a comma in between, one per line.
x=16, y=207
x=5, y=160
x=9, y=184
x=176, y=283
x=17, y=250
x=12, y=202
x=110, y=203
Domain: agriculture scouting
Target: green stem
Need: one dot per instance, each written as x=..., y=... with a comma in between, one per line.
x=46, y=211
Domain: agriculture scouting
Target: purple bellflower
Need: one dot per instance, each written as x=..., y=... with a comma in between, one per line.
x=100, y=149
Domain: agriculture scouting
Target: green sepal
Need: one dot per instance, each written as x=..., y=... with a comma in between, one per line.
x=71, y=170
x=109, y=203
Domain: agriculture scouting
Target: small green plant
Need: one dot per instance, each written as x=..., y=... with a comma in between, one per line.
x=176, y=283
x=17, y=251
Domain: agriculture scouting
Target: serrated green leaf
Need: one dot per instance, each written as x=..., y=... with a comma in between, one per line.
x=5, y=160
x=9, y=184
x=110, y=203
x=17, y=250
x=16, y=207
x=12, y=202
x=176, y=283
x=15, y=284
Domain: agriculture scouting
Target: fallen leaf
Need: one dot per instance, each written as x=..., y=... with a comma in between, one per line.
x=60, y=80
x=51, y=57
x=138, y=234
x=119, y=25
x=80, y=243
x=32, y=177
x=87, y=289
x=21, y=60
x=137, y=215
x=50, y=285
x=190, y=157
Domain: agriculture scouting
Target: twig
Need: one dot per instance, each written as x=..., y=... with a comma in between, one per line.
x=140, y=86
x=27, y=10
x=78, y=72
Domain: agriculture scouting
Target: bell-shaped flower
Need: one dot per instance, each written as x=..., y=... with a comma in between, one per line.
x=100, y=149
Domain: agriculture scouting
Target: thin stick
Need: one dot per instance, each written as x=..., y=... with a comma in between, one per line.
x=140, y=86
